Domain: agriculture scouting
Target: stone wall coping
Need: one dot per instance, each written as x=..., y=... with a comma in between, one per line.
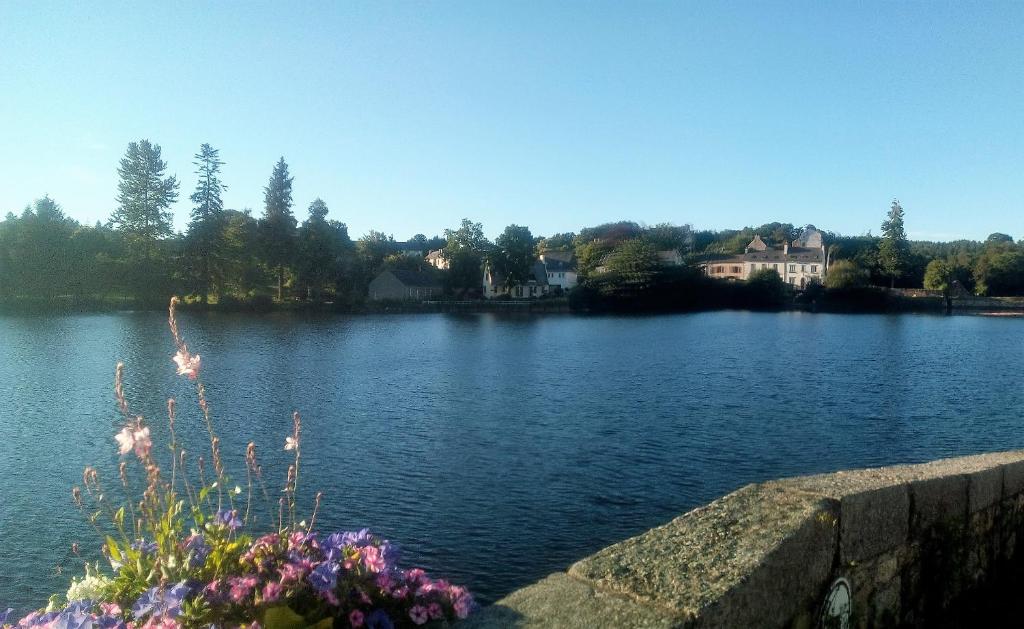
x=763, y=552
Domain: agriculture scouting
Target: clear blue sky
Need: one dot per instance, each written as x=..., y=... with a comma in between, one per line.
x=405, y=117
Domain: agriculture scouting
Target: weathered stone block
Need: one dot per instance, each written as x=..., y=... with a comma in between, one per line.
x=984, y=488
x=873, y=522
x=935, y=501
x=1013, y=479
x=757, y=557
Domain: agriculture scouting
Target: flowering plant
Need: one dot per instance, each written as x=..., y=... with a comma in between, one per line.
x=181, y=554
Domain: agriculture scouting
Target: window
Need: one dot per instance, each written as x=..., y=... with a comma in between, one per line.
x=736, y=269
x=814, y=268
x=803, y=268
x=792, y=268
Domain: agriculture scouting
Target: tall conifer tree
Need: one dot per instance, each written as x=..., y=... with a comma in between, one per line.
x=894, y=249
x=277, y=227
x=144, y=196
x=205, y=228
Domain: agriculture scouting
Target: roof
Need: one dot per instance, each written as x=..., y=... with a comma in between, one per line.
x=757, y=243
x=434, y=255
x=561, y=256
x=540, y=273
x=554, y=264
x=415, y=278
x=796, y=254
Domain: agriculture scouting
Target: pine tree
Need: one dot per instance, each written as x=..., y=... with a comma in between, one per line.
x=144, y=196
x=205, y=228
x=277, y=227
x=894, y=248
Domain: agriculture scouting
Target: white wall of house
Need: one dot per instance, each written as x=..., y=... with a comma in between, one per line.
x=565, y=279
x=798, y=274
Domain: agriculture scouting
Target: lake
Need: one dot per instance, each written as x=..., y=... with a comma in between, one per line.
x=496, y=449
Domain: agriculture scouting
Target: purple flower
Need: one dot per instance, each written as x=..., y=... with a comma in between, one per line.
x=200, y=550
x=3, y=616
x=379, y=620
x=359, y=538
x=161, y=602
x=324, y=577
x=147, y=548
x=228, y=519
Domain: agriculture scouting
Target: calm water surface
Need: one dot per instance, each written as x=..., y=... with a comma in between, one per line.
x=498, y=449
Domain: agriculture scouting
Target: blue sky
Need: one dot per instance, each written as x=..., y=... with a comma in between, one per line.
x=405, y=117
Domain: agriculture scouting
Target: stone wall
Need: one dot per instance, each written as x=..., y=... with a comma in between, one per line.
x=916, y=545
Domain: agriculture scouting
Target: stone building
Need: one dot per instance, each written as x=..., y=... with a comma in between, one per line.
x=797, y=263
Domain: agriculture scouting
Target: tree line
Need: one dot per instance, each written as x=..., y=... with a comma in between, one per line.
x=231, y=256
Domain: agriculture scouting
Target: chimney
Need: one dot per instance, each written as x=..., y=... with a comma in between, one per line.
x=785, y=247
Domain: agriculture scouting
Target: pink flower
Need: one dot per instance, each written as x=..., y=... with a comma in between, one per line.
x=372, y=558
x=110, y=609
x=355, y=618
x=401, y=592
x=125, y=440
x=419, y=614
x=461, y=607
x=435, y=611
x=384, y=581
x=272, y=591
x=291, y=573
x=241, y=586
x=415, y=575
x=138, y=440
x=142, y=443
x=188, y=365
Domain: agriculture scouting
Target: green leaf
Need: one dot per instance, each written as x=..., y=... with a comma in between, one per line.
x=115, y=552
x=282, y=617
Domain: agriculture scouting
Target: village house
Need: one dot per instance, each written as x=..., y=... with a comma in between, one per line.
x=494, y=284
x=560, y=267
x=436, y=260
x=403, y=285
x=797, y=264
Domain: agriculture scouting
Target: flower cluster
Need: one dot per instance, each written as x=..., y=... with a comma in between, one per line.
x=182, y=555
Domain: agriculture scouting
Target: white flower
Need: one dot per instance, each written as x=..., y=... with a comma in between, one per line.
x=290, y=443
x=91, y=587
x=188, y=365
x=125, y=440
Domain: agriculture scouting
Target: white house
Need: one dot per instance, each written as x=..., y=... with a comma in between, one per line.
x=436, y=260
x=560, y=267
x=494, y=284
